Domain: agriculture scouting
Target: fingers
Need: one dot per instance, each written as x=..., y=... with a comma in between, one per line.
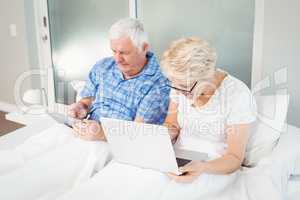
x=94, y=127
x=72, y=113
x=187, y=178
x=80, y=127
x=172, y=175
x=81, y=113
x=77, y=110
x=87, y=129
x=188, y=167
x=193, y=166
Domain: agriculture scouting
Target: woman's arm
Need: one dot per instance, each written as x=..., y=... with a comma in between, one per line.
x=171, y=121
x=237, y=138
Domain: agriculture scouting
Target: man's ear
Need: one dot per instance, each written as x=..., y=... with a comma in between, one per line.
x=146, y=47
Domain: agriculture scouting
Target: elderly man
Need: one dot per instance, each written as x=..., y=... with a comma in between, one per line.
x=127, y=86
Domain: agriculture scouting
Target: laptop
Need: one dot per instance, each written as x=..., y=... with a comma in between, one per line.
x=146, y=146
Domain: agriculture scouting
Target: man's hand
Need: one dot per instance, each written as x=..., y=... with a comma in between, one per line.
x=89, y=130
x=191, y=171
x=77, y=110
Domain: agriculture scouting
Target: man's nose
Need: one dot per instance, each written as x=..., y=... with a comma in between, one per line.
x=118, y=57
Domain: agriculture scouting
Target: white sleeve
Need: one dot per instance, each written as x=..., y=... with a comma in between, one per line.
x=242, y=108
x=174, y=96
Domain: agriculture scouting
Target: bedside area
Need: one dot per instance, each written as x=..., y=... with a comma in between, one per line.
x=16, y=127
x=7, y=126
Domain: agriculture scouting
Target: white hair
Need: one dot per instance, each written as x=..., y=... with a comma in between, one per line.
x=189, y=60
x=131, y=28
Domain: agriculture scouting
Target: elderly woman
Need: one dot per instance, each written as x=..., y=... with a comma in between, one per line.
x=207, y=105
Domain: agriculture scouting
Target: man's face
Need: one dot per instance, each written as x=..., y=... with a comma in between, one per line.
x=128, y=57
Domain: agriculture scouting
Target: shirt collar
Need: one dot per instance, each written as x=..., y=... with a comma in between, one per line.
x=151, y=66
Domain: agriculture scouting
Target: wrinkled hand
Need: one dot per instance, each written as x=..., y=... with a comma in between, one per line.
x=77, y=110
x=191, y=171
x=88, y=130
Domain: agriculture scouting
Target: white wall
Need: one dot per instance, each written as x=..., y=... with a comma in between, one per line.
x=16, y=53
x=281, y=48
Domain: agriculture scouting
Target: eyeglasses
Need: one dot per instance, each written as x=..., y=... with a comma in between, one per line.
x=183, y=90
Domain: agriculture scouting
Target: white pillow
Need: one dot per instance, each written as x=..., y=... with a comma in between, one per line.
x=265, y=132
x=293, y=147
x=287, y=151
x=297, y=164
x=78, y=86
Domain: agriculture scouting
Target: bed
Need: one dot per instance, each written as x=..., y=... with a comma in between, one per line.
x=17, y=137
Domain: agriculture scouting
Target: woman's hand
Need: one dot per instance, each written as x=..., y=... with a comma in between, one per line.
x=88, y=130
x=190, y=172
x=237, y=137
x=173, y=131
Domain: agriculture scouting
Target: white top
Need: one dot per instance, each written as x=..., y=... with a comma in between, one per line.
x=203, y=128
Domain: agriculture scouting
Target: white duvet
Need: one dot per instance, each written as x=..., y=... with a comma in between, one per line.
x=121, y=182
x=50, y=164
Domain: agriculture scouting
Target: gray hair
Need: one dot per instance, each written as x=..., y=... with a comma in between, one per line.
x=131, y=28
x=189, y=60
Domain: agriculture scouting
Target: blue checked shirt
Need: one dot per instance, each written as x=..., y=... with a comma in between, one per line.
x=146, y=95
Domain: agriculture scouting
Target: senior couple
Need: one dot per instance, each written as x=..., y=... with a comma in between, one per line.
x=186, y=92
x=132, y=86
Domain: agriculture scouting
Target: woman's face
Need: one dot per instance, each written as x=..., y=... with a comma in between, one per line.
x=189, y=88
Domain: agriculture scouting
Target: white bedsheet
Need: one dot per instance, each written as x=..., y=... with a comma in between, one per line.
x=48, y=164
x=52, y=162
x=268, y=180
x=119, y=181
